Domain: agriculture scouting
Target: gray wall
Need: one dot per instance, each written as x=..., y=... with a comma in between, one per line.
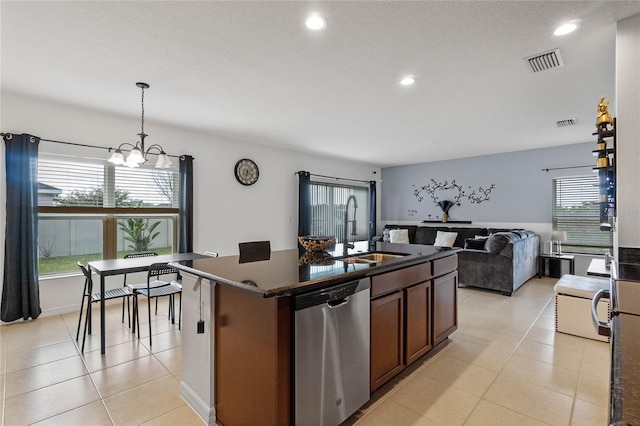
x=522, y=190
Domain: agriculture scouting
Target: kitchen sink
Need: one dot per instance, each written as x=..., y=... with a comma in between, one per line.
x=372, y=257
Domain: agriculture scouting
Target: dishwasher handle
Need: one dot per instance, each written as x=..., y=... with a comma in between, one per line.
x=603, y=328
x=333, y=304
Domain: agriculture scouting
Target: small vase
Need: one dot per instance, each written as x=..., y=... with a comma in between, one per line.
x=445, y=217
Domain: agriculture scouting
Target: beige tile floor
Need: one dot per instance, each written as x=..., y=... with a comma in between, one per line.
x=503, y=366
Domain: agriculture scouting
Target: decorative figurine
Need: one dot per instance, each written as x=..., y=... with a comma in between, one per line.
x=604, y=117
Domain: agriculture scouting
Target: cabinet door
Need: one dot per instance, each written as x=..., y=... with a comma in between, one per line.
x=445, y=308
x=418, y=324
x=386, y=338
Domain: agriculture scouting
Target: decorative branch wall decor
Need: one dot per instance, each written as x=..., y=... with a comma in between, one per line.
x=476, y=196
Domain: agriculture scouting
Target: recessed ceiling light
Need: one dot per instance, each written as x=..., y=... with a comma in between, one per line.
x=316, y=22
x=565, y=29
x=407, y=81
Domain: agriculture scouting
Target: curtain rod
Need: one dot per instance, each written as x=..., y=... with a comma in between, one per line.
x=335, y=177
x=562, y=168
x=83, y=144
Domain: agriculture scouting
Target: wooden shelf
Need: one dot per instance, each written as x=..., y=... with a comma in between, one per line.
x=449, y=221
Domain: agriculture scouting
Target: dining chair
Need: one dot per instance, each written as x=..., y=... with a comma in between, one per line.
x=91, y=297
x=254, y=251
x=178, y=280
x=154, y=289
x=136, y=285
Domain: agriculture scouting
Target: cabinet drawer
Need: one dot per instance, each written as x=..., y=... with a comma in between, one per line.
x=444, y=265
x=397, y=280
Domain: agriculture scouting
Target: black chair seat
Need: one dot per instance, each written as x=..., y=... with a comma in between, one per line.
x=112, y=294
x=159, y=291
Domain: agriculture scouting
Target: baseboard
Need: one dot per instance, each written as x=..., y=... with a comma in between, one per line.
x=206, y=413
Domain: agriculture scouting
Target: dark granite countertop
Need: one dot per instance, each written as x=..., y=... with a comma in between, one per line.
x=625, y=373
x=283, y=273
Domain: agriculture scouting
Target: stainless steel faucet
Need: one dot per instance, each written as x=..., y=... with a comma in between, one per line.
x=345, y=243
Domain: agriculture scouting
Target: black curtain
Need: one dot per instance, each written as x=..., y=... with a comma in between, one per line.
x=304, y=203
x=185, y=226
x=372, y=211
x=20, y=292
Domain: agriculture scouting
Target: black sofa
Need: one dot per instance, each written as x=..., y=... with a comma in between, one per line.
x=499, y=259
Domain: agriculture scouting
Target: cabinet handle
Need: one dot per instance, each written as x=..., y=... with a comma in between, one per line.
x=603, y=328
x=333, y=304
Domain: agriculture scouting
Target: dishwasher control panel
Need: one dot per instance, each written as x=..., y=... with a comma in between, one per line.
x=329, y=294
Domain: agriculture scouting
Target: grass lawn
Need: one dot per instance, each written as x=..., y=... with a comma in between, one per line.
x=60, y=264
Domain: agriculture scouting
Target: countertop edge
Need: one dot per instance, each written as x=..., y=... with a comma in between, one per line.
x=376, y=269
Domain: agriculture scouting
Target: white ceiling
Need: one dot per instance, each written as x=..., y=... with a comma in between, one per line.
x=251, y=71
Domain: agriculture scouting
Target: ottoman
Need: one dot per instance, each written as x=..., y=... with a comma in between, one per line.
x=573, y=305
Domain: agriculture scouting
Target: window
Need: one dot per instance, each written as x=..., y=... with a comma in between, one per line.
x=576, y=211
x=328, y=203
x=89, y=209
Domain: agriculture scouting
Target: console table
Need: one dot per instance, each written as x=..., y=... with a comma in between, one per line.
x=598, y=268
x=555, y=258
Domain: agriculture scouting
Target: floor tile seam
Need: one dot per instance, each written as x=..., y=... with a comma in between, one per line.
x=139, y=386
x=605, y=406
x=44, y=363
x=528, y=382
x=420, y=415
x=164, y=414
x=66, y=411
x=514, y=410
x=121, y=391
x=550, y=364
x=5, y=398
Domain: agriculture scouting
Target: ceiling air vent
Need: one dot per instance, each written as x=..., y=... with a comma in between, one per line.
x=565, y=123
x=544, y=61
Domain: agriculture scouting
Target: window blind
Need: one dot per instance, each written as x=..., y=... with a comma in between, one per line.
x=328, y=202
x=576, y=211
x=88, y=182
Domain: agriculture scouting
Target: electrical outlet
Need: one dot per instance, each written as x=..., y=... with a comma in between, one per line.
x=200, y=327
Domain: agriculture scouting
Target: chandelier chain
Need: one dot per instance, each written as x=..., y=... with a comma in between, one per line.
x=142, y=121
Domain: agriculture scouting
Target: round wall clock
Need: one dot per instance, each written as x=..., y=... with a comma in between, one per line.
x=246, y=172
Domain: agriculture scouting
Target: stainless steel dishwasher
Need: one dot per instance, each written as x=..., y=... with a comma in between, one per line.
x=331, y=355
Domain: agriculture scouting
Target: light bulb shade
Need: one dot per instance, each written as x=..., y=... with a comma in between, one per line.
x=163, y=161
x=558, y=236
x=117, y=158
x=135, y=156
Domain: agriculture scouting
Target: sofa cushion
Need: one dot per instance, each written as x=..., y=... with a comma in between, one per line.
x=475, y=243
x=400, y=236
x=445, y=239
x=464, y=233
x=496, y=242
x=427, y=234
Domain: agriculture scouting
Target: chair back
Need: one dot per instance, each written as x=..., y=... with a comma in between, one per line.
x=254, y=251
x=143, y=254
x=157, y=269
x=88, y=283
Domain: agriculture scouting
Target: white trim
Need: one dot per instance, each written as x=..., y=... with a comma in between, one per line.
x=206, y=413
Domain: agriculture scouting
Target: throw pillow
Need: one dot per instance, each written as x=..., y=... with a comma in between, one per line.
x=385, y=235
x=445, y=239
x=400, y=236
x=496, y=243
x=475, y=243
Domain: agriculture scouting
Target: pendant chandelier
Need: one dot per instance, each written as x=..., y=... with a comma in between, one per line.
x=138, y=155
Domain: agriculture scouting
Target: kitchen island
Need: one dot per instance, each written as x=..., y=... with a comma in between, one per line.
x=239, y=369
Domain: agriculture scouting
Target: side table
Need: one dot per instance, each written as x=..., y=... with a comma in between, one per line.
x=543, y=258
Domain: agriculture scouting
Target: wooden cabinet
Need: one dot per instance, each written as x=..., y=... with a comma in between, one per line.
x=408, y=318
x=387, y=348
x=252, y=358
x=418, y=321
x=445, y=306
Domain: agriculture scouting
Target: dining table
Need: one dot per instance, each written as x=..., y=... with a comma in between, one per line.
x=110, y=267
